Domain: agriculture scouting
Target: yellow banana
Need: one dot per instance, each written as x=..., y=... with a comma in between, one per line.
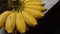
x=10, y=23
x=3, y=17
x=35, y=13
x=41, y=8
x=20, y=23
x=30, y=20
x=34, y=3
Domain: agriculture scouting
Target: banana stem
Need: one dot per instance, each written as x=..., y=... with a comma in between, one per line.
x=15, y=7
x=19, y=6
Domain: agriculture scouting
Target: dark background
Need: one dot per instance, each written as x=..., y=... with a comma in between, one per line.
x=50, y=24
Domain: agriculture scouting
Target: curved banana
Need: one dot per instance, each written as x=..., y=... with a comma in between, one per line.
x=10, y=23
x=3, y=17
x=20, y=23
x=34, y=3
x=37, y=7
x=30, y=20
x=34, y=13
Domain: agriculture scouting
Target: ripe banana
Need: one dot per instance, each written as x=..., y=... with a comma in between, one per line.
x=34, y=13
x=26, y=13
x=30, y=20
x=31, y=1
x=10, y=23
x=34, y=3
x=20, y=23
x=37, y=7
x=3, y=17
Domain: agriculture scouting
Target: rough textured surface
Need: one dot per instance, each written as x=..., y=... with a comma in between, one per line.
x=49, y=4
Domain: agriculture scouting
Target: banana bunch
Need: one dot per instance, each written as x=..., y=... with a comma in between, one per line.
x=27, y=14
